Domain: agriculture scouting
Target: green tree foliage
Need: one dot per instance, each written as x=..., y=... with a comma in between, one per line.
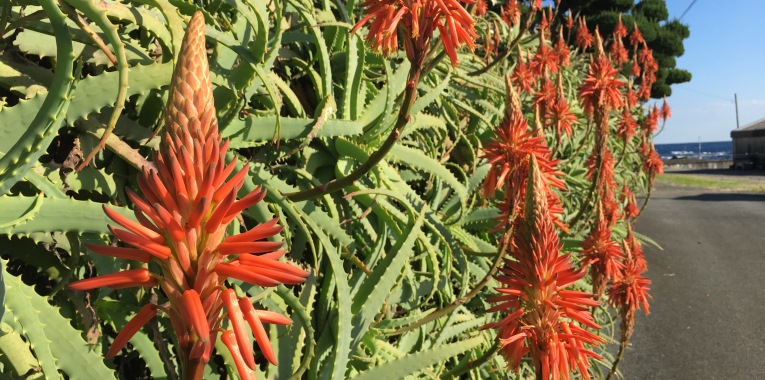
x=664, y=36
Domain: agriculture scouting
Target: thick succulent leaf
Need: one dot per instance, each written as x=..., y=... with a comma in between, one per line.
x=40, y=131
x=374, y=291
x=90, y=95
x=56, y=344
x=412, y=363
x=28, y=215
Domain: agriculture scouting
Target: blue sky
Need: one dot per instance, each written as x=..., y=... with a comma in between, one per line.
x=725, y=54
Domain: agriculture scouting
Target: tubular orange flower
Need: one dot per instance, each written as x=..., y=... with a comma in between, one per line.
x=584, y=38
x=631, y=209
x=630, y=98
x=601, y=87
x=636, y=38
x=545, y=61
x=522, y=75
x=545, y=95
x=236, y=317
x=120, y=252
x=561, y=49
x=619, y=54
x=627, y=125
x=635, y=71
x=543, y=27
x=229, y=339
x=648, y=76
x=652, y=165
x=651, y=121
x=619, y=30
x=560, y=117
x=417, y=20
x=542, y=315
x=143, y=316
x=666, y=112
x=256, y=325
x=188, y=202
x=511, y=12
x=508, y=154
x=125, y=279
x=603, y=256
x=631, y=290
x=480, y=8
x=195, y=315
x=569, y=19
x=628, y=294
x=634, y=250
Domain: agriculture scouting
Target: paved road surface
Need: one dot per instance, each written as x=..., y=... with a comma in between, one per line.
x=707, y=317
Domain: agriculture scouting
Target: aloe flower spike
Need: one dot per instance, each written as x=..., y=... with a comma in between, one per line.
x=182, y=220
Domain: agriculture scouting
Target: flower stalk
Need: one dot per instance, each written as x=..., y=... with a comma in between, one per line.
x=416, y=20
x=188, y=201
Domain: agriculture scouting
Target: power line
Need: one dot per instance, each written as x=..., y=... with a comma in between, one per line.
x=687, y=9
x=703, y=93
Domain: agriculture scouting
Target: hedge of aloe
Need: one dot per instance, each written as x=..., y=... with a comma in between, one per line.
x=453, y=187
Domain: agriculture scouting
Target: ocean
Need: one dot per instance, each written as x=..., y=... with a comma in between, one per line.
x=714, y=150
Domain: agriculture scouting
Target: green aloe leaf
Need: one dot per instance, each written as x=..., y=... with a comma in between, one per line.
x=373, y=293
x=415, y=362
x=27, y=215
x=56, y=344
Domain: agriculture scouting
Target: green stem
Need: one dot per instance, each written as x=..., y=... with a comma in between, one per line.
x=624, y=153
x=457, y=372
x=97, y=14
x=5, y=15
x=509, y=49
x=403, y=119
x=462, y=300
x=615, y=366
x=586, y=204
x=647, y=198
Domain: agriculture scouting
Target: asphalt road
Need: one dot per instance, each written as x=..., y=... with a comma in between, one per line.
x=707, y=316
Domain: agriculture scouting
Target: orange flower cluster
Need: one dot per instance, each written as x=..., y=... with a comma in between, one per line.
x=627, y=125
x=416, y=21
x=603, y=256
x=508, y=154
x=187, y=205
x=631, y=210
x=542, y=316
x=481, y=7
x=511, y=12
x=613, y=265
x=536, y=76
x=584, y=38
x=630, y=291
x=601, y=89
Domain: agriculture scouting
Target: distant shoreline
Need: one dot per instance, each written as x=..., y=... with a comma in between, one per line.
x=712, y=151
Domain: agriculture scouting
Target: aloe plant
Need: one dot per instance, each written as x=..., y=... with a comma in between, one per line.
x=378, y=168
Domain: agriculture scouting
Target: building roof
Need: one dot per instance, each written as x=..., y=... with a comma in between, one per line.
x=753, y=129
